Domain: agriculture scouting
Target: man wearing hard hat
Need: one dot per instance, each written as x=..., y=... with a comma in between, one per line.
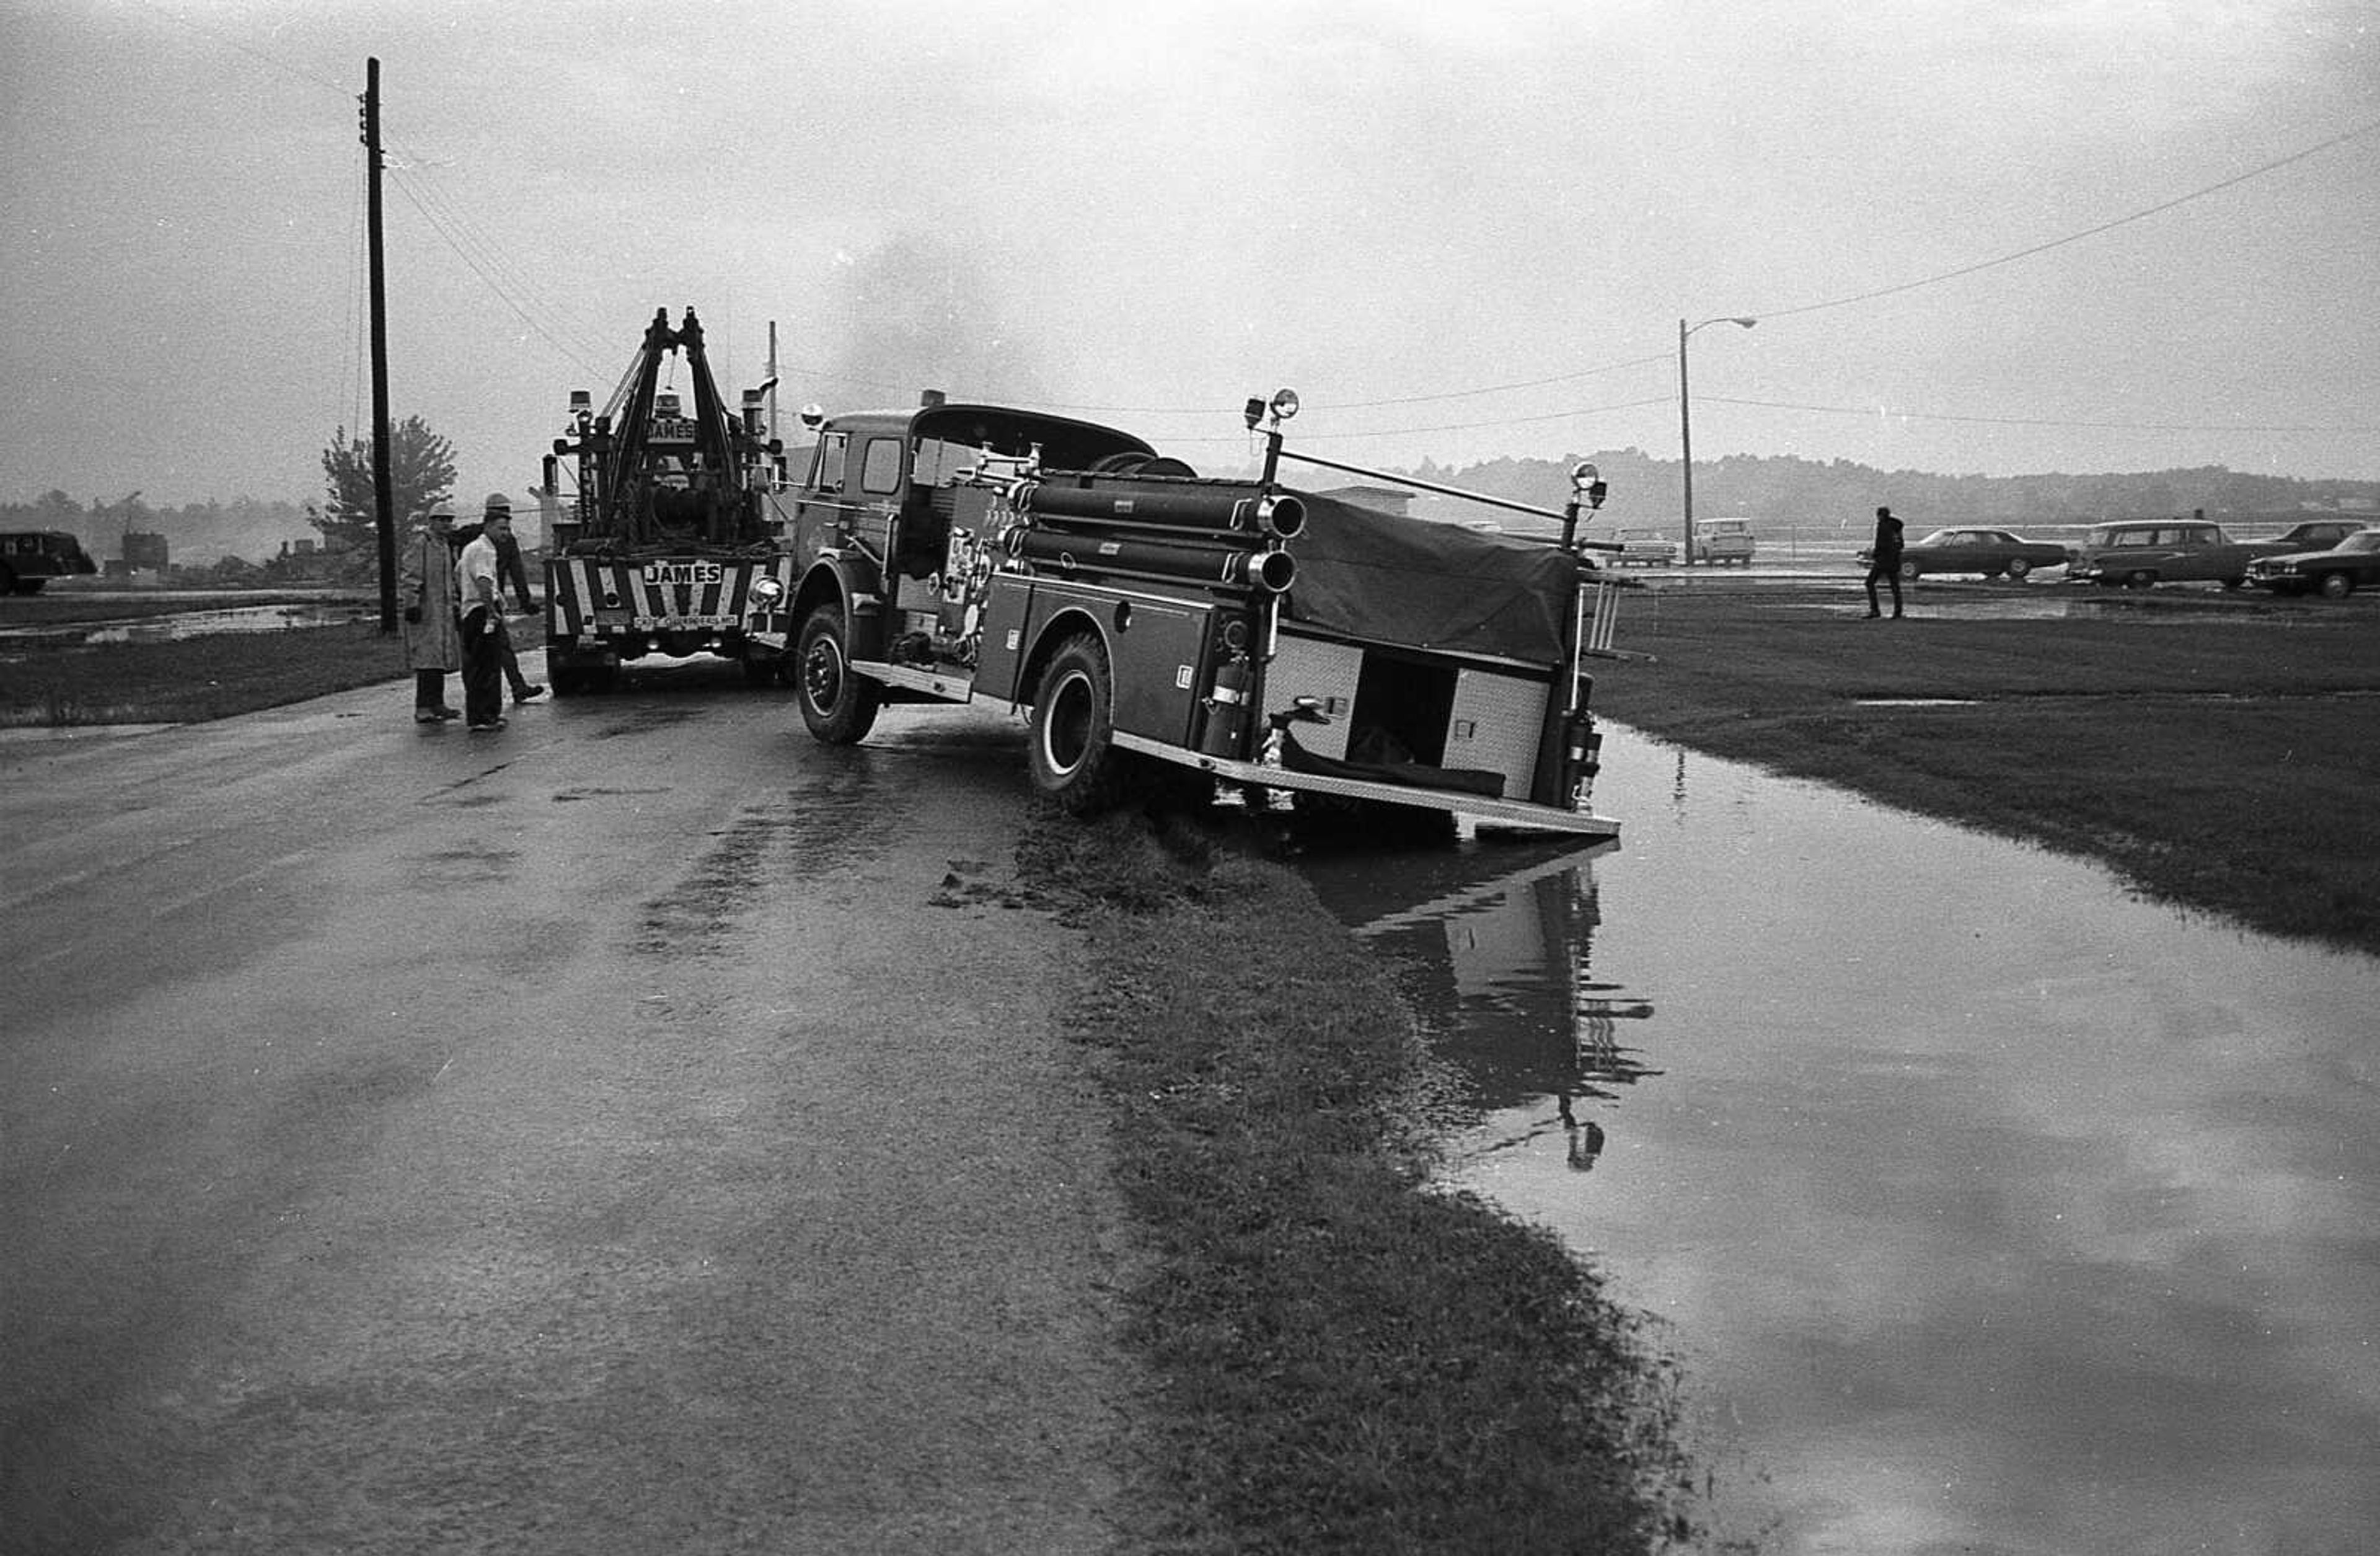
x=510, y=570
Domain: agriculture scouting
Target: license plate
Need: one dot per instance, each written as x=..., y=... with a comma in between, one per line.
x=684, y=624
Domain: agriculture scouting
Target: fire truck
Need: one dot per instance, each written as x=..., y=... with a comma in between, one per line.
x=1165, y=632
x=673, y=528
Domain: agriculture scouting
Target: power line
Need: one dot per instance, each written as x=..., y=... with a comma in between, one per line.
x=237, y=47
x=489, y=257
x=1304, y=436
x=2338, y=140
x=1765, y=314
x=1406, y=400
x=2033, y=420
x=458, y=240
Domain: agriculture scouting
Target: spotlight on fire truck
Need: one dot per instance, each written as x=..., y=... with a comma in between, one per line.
x=767, y=590
x=813, y=415
x=1282, y=406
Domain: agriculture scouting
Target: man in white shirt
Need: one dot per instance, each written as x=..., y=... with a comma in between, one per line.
x=478, y=576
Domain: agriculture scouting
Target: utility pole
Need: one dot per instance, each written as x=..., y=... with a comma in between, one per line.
x=385, y=521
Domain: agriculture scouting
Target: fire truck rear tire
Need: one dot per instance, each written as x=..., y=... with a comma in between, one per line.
x=839, y=707
x=1072, y=752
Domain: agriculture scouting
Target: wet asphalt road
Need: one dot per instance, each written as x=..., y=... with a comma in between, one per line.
x=637, y=1131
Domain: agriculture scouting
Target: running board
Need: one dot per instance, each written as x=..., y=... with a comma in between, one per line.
x=949, y=688
x=1585, y=823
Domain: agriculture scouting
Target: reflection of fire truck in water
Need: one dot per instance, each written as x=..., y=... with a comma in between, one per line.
x=1167, y=631
x=673, y=529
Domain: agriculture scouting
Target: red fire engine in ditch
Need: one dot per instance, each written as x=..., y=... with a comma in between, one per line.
x=673, y=527
x=1162, y=627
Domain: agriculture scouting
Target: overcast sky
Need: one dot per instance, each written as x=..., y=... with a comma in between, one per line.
x=1460, y=230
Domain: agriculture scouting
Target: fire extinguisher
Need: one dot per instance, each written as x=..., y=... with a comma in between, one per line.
x=1227, y=708
x=1584, y=743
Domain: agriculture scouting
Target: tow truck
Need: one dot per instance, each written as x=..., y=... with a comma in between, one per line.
x=675, y=524
x=1164, y=633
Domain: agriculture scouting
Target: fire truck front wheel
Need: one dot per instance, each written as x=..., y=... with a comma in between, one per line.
x=1072, y=755
x=838, y=705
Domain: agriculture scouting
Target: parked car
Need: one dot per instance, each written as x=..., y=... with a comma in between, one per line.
x=2335, y=574
x=2139, y=553
x=30, y=558
x=1720, y=540
x=1991, y=553
x=2314, y=534
x=1645, y=548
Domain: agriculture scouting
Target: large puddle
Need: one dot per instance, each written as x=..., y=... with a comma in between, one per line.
x=1990, y=1209
x=178, y=625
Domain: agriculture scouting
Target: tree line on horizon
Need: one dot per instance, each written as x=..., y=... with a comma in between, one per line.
x=1790, y=490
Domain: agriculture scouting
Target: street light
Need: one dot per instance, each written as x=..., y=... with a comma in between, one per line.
x=1685, y=427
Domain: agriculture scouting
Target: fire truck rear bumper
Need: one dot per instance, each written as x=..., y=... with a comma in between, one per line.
x=1583, y=823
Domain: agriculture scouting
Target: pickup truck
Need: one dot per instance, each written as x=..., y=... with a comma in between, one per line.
x=1719, y=540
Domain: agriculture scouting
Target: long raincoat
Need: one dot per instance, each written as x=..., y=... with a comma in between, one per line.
x=435, y=643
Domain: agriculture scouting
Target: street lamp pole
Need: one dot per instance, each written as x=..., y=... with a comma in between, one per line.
x=1685, y=422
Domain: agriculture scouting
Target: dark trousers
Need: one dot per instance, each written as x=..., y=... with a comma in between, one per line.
x=428, y=690
x=483, y=667
x=1888, y=569
x=513, y=677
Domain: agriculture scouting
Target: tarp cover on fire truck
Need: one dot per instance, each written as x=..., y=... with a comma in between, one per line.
x=1385, y=577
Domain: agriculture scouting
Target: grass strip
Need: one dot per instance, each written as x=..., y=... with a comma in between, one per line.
x=1344, y=1358
x=210, y=677
x=2218, y=754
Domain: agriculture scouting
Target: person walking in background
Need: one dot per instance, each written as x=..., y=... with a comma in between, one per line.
x=485, y=639
x=510, y=569
x=1884, y=561
x=432, y=645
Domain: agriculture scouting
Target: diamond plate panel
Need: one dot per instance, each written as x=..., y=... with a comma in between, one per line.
x=1495, y=724
x=1305, y=667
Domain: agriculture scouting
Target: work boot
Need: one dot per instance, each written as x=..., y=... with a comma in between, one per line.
x=448, y=712
x=427, y=716
x=529, y=693
x=488, y=728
